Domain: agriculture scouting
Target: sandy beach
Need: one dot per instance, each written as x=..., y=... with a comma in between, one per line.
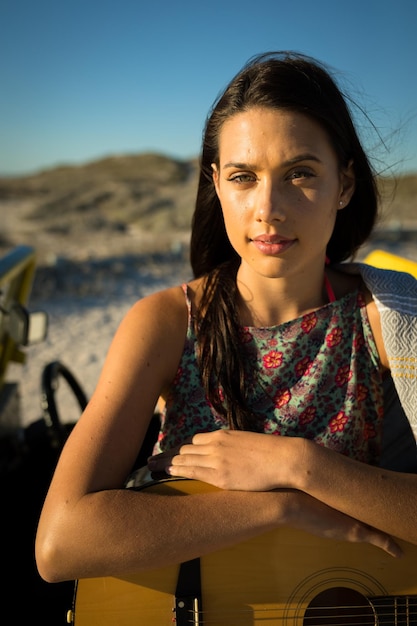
x=85, y=303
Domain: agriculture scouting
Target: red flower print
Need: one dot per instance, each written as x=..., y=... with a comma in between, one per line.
x=245, y=336
x=344, y=374
x=334, y=337
x=369, y=432
x=309, y=322
x=178, y=376
x=361, y=392
x=272, y=359
x=282, y=398
x=358, y=342
x=307, y=415
x=360, y=300
x=303, y=367
x=338, y=423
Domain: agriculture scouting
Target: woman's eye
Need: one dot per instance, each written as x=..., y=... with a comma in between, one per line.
x=242, y=178
x=296, y=174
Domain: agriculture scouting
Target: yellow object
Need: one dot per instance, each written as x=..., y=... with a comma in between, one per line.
x=389, y=261
x=17, y=270
x=284, y=577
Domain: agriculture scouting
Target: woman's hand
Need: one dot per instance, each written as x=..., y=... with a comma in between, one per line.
x=238, y=460
x=234, y=460
x=313, y=516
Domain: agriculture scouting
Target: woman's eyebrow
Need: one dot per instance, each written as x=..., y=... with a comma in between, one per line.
x=297, y=159
x=302, y=157
x=239, y=166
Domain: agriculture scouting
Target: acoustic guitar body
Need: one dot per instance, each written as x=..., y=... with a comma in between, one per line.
x=284, y=577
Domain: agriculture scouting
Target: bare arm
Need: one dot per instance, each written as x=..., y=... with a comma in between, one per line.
x=120, y=531
x=92, y=526
x=380, y=498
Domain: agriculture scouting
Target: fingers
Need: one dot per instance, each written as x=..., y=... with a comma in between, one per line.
x=182, y=456
x=205, y=457
x=385, y=542
x=195, y=445
x=194, y=460
x=360, y=532
x=227, y=459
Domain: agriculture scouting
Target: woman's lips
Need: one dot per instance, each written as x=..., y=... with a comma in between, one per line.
x=272, y=244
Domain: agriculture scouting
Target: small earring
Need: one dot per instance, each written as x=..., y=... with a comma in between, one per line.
x=341, y=203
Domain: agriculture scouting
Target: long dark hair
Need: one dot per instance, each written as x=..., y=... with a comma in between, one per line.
x=275, y=80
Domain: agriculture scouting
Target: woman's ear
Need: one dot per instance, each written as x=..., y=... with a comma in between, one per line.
x=215, y=177
x=348, y=185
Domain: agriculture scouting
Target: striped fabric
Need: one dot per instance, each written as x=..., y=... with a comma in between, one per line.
x=395, y=294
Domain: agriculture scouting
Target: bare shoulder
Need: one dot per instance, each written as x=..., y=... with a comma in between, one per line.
x=157, y=322
x=152, y=333
x=167, y=308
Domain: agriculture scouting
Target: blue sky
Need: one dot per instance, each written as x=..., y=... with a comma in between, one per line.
x=84, y=79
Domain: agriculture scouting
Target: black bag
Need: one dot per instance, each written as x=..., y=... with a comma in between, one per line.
x=28, y=462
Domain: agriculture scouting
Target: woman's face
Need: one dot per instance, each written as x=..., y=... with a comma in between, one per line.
x=280, y=187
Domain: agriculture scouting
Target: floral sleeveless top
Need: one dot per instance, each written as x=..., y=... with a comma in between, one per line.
x=317, y=377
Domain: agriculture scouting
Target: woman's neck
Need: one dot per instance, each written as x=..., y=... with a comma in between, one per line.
x=272, y=301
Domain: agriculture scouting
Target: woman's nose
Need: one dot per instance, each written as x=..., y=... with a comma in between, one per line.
x=269, y=204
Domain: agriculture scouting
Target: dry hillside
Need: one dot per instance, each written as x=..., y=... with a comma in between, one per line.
x=113, y=206
x=128, y=205
x=399, y=197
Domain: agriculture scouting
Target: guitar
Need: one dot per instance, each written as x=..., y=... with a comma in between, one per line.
x=284, y=577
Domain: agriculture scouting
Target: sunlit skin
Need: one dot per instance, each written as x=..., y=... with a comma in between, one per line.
x=280, y=187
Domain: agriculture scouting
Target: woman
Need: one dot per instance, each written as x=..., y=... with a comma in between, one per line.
x=272, y=337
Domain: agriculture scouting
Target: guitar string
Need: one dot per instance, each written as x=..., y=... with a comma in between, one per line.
x=394, y=619
x=390, y=600
x=207, y=618
x=402, y=610
x=330, y=621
